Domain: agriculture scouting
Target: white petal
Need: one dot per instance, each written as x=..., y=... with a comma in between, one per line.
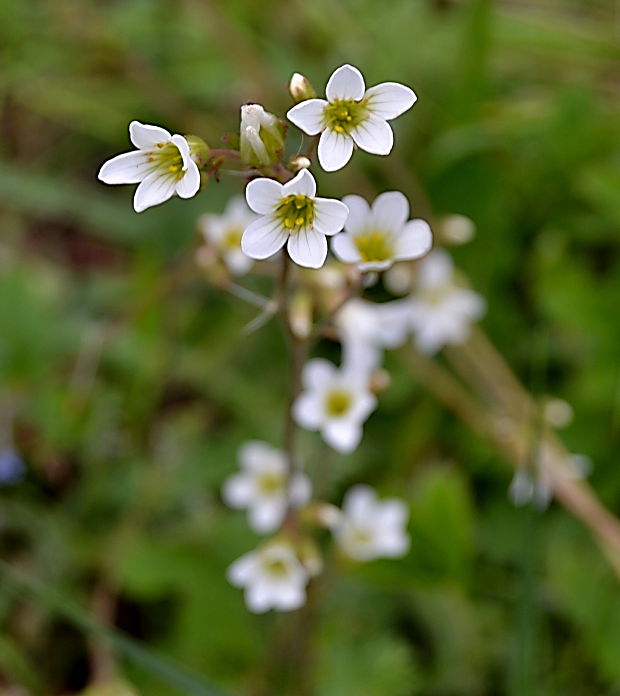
x=394, y=545
x=263, y=195
x=190, y=183
x=308, y=115
x=308, y=248
x=345, y=83
x=266, y=516
x=342, y=435
x=329, y=215
x=363, y=405
x=300, y=490
x=359, y=502
x=436, y=269
x=146, y=137
x=254, y=453
x=390, y=211
x=359, y=213
x=308, y=411
x=303, y=184
x=263, y=238
x=238, y=263
x=237, y=491
x=290, y=597
x=393, y=514
x=259, y=597
x=128, y=168
x=415, y=240
x=344, y=248
x=390, y=99
x=318, y=373
x=155, y=189
x=243, y=570
x=334, y=150
x=374, y=135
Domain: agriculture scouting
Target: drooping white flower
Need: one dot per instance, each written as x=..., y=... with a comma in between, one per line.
x=273, y=578
x=162, y=166
x=223, y=233
x=369, y=528
x=352, y=115
x=261, y=136
x=263, y=486
x=366, y=329
x=374, y=238
x=336, y=402
x=291, y=214
x=440, y=311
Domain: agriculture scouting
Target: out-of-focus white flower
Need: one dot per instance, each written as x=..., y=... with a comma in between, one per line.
x=264, y=488
x=273, y=578
x=456, y=229
x=336, y=402
x=537, y=486
x=223, y=233
x=352, y=115
x=261, y=136
x=440, y=312
x=162, y=166
x=369, y=528
x=374, y=238
x=291, y=214
x=366, y=329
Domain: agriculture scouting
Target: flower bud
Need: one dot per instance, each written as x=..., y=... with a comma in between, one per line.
x=457, y=229
x=298, y=163
x=261, y=137
x=199, y=150
x=300, y=88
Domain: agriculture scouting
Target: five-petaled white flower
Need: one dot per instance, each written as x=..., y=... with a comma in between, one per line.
x=291, y=214
x=162, y=166
x=263, y=486
x=223, y=233
x=352, y=114
x=273, y=577
x=374, y=238
x=369, y=528
x=439, y=311
x=336, y=402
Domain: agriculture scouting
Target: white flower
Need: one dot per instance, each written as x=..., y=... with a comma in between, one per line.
x=336, y=402
x=223, y=232
x=263, y=486
x=441, y=312
x=374, y=238
x=369, y=528
x=352, y=115
x=366, y=329
x=273, y=577
x=291, y=214
x=261, y=136
x=162, y=166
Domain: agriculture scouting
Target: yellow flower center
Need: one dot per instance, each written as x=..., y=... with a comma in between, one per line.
x=296, y=212
x=270, y=483
x=337, y=402
x=167, y=158
x=375, y=246
x=231, y=239
x=343, y=115
x=276, y=567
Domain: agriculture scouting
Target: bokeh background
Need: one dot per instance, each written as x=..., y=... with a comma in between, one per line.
x=126, y=385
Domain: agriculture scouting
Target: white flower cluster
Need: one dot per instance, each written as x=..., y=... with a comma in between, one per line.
x=282, y=214
x=275, y=575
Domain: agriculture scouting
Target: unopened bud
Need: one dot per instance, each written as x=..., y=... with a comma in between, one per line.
x=198, y=149
x=298, y=163
x=300, y=88
x=301, y=314
x=261, y=137
x=380, y=380
x=457, y=229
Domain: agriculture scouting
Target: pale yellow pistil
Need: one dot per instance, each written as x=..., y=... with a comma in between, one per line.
x=296, y=212
x=337, y=402
x=276, y=568
x=343, y=115
x=375, y=246
x=167, y=158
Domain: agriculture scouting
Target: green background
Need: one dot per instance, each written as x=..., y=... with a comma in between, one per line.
x=132, y=385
